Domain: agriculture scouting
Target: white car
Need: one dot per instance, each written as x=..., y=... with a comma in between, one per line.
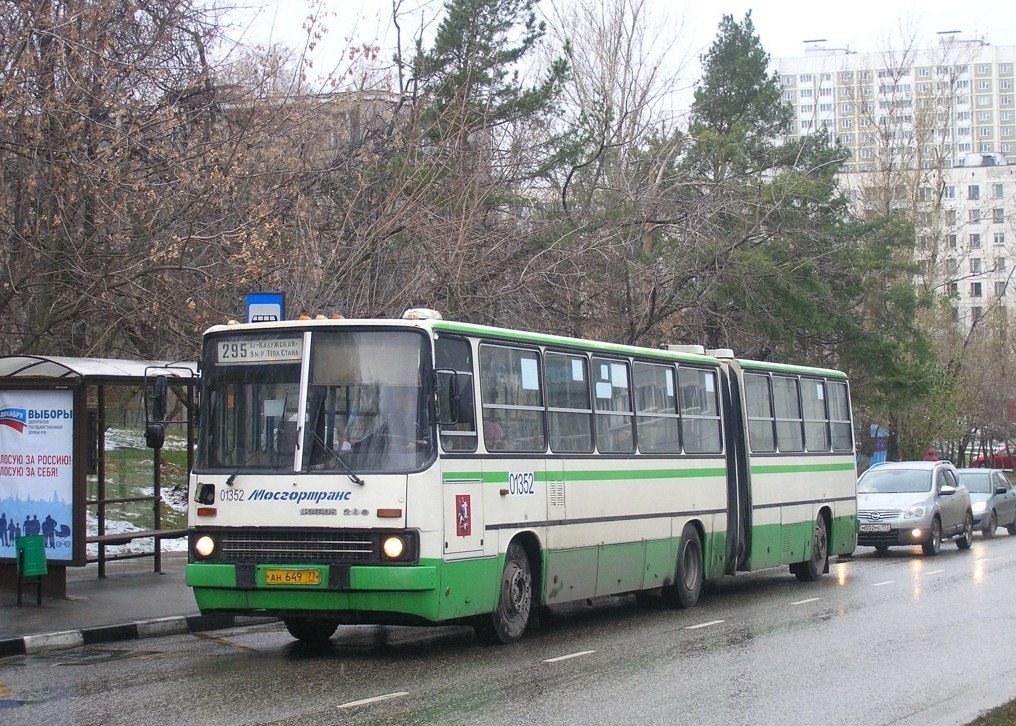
x=913, y=502
x=992, y=498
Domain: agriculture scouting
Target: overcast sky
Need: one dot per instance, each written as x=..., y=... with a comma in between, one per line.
x=782, y=25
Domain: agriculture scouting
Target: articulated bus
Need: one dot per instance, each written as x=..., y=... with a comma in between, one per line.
x=422, y=470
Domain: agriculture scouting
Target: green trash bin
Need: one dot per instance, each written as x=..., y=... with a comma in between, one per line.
x=31, y=554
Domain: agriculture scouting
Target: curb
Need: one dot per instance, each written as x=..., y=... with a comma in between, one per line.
x=174, y=625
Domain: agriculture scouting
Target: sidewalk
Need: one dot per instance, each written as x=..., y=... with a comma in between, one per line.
x=131, y=602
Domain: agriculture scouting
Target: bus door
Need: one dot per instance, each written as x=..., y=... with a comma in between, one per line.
x=461, y=476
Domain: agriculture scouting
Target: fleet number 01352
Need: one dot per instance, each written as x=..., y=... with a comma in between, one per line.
x=521, y=483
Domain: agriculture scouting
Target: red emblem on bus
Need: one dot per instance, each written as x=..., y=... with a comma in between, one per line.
x=463, y=516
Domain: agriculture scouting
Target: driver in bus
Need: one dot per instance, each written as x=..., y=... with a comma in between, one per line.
x=402, y=420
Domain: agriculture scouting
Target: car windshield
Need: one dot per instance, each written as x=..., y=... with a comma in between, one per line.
x=895, y=481
x=978, y=482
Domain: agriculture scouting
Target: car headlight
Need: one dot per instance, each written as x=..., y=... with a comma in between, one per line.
x=978, y=507
x=916, y=512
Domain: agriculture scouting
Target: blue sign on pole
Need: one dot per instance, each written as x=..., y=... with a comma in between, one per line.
x=266, y=307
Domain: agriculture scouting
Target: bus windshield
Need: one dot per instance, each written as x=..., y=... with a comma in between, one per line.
x=365, y=410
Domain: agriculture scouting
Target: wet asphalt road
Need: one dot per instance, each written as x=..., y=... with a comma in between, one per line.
x=899, y=639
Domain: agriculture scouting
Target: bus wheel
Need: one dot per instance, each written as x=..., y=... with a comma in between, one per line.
x=684, y=593
x=812, y=569
x=511, y=615
x=311, y=631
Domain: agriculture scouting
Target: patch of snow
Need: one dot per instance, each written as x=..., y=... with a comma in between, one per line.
x=134, y=439
x=173, y=497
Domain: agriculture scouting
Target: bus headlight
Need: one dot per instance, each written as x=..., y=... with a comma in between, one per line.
x=394, y=547
x=204, y=546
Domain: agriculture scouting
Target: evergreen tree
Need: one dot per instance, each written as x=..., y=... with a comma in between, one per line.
x=796, y=275
x=737, y=114
x=470, y=77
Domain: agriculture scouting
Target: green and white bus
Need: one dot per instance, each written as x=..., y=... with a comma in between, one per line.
x=423, y=470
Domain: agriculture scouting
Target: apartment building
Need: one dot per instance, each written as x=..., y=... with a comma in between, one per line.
x=918, y=106
x=934, y=130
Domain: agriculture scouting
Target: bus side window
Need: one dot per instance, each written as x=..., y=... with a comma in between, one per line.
x=569, y=412
x=656, y=408
x=454, y=361
x=614, y=413
x=512, y=398
x=816, y=420
x=700, y=411
x=761, y=422
x=787, y=402
x=839, y=416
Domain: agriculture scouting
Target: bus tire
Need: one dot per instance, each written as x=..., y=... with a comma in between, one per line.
x=515, y=600
x=687, y=588
x=312, y=632
x=812, y=568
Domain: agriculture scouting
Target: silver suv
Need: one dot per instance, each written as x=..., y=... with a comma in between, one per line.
x=913, y=502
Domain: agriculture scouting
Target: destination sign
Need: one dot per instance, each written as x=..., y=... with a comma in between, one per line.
x=260, y=350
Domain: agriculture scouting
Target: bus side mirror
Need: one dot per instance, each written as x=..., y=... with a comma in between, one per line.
x=155, y=435
x=462, y=400
x=455, y=398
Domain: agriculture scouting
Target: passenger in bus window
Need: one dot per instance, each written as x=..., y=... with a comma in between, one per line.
x=493, y=431
x=493, y=434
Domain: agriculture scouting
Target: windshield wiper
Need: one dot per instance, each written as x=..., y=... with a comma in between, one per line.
x=232, y=477
x=337, y=458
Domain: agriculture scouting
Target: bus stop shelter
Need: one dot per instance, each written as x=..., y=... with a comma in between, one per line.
x=55, y=416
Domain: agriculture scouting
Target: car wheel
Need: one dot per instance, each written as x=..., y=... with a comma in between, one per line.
x=812, y=569
x=1011, y=527
x=881, y=549
x=511, y=614
x=934, y=543
x=967, y=539
x=685, y=592
x=989, y=531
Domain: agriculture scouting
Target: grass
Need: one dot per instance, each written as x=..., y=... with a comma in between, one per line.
x=129, y=474
x=1004, y=715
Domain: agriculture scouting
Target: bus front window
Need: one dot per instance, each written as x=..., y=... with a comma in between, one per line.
x=250, y=402
x=368, y=403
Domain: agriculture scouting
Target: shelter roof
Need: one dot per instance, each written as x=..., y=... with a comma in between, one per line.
x=23, y=367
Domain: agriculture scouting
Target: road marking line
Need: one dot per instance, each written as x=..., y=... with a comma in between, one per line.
x=802, y=602
x=570, y=655
x=887, y=582
x=375, y=699
x=704, y=625
x=933, y=572
x=987, y=559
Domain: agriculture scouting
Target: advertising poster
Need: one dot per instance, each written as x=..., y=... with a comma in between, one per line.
x=36, y=470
